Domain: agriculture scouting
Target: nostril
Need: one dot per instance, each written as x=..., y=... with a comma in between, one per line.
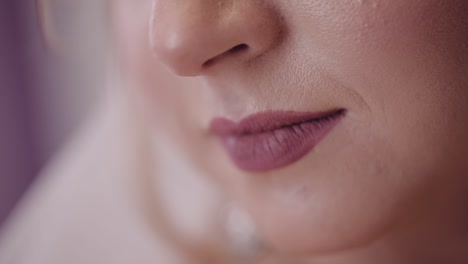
x=233, y=51
x=238, y=48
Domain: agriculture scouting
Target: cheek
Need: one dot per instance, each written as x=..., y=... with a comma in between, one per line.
x=141, y=70
x=357, y=26
x=366, y=34
x=130, y=28
x=405, y=59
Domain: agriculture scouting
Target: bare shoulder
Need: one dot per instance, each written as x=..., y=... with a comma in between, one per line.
x=82, y=210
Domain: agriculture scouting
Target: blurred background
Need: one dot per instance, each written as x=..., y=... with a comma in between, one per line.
x=44, y=94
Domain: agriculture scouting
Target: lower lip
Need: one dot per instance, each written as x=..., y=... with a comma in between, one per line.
x=258, y=150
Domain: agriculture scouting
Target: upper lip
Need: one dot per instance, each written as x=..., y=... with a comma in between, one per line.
x=268, y=121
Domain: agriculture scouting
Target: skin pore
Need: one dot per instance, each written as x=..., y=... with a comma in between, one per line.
x=389, y=183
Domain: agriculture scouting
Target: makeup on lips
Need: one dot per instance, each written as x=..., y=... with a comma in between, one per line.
x=273, y=139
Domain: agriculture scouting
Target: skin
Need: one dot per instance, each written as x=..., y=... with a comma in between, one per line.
x=389, y=183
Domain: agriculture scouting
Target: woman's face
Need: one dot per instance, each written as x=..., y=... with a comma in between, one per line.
x=398, y=69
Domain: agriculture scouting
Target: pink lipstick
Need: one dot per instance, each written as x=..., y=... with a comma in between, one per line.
x=273, y=139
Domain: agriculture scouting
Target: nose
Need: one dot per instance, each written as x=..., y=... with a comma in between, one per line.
x=191, y=36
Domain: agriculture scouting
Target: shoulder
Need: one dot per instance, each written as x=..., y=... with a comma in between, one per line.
x=84, y=208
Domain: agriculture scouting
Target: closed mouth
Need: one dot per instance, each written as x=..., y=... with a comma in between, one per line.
x=273, y=139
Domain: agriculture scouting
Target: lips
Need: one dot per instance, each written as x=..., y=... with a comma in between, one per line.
x=273, y=139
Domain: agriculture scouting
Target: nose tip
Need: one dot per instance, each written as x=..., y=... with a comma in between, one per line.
x=189, y=37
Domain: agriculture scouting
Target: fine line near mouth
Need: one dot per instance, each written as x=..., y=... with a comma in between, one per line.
x=272, y=140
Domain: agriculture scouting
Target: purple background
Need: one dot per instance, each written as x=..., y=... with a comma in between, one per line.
x=19, y=161
x=44, y=96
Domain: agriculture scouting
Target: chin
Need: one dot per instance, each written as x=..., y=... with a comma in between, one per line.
x=320, y=206
x=321, y=236
x=322, y=224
